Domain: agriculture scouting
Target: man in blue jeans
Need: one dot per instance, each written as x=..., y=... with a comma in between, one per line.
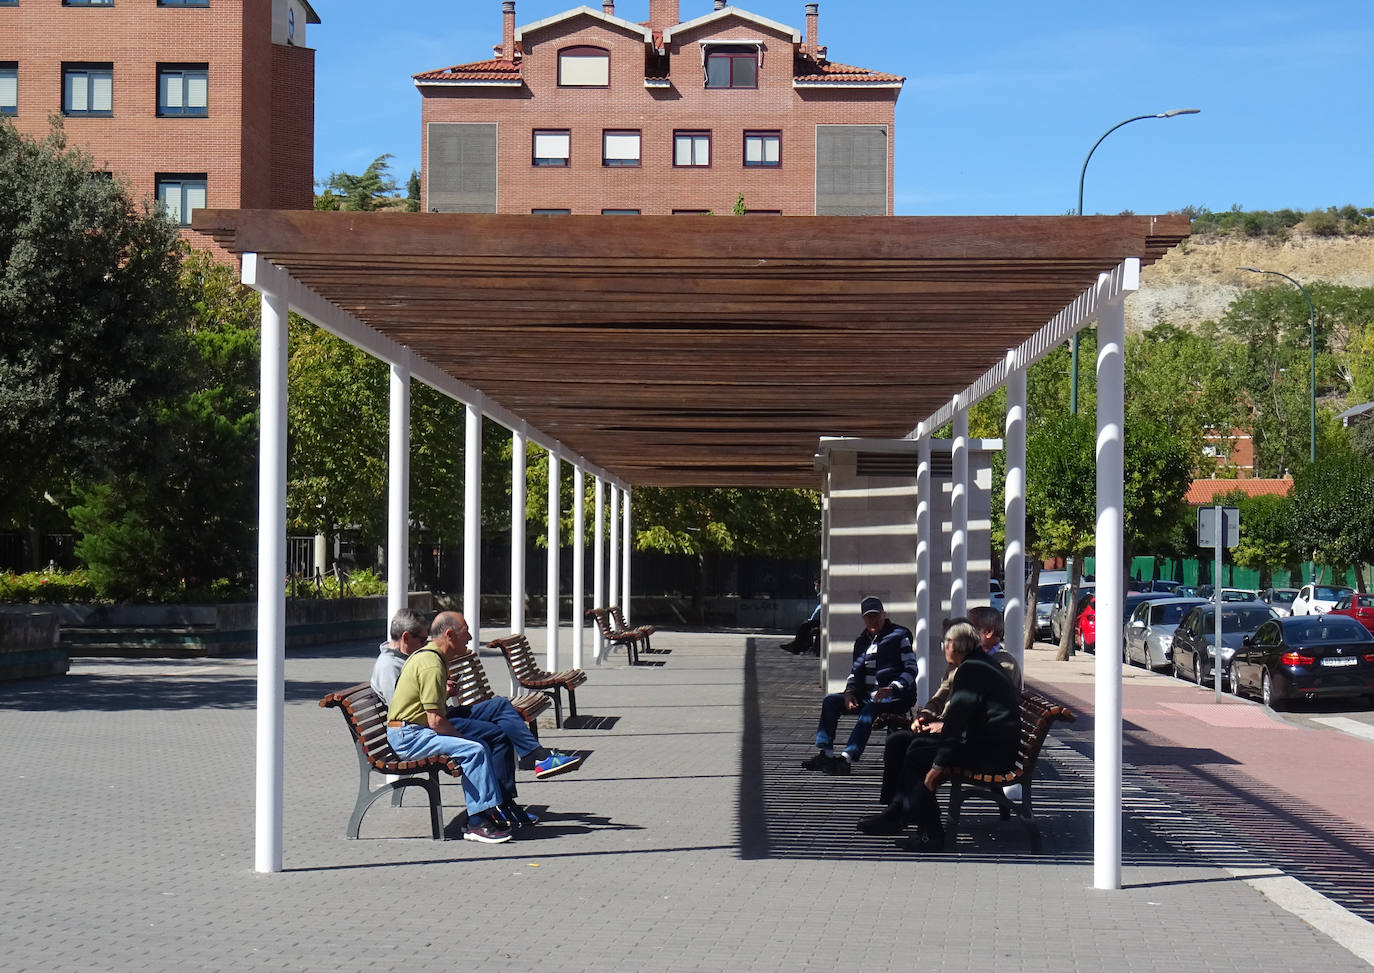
x=882, y=680
x=493, y=722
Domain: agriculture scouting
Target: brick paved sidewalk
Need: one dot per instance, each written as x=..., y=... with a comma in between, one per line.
x=690, y=840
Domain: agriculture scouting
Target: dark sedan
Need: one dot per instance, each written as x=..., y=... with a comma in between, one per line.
x=1305, y=657
x=1192, y=652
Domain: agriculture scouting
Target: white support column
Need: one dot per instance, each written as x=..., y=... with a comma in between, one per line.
x=613, y=557
x=625, y=548
x=958, y=531
x=823, y=636
x=517, y=532
x=271, y=585
x=551, y=646
x=1111, y=340
x=579, y=552
x=923, y=620
x=599, y=560
x=1014, y=511
x=398, y=491
x=472, y=523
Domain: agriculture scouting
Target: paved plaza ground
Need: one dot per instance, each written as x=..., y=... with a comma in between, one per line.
x=689, y=840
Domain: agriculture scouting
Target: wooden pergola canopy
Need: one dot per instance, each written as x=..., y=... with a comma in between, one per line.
x=702, y=350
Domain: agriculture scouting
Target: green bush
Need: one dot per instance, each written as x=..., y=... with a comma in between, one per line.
x=363, y=583
x=46, y=587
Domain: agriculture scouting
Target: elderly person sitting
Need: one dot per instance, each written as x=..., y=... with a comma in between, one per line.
x=980, y=731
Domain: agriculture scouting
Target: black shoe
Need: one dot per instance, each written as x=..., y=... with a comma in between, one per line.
x=924, y=842
x=836, y=766
x=790, y=647
x=885, y=823
x=819, y=762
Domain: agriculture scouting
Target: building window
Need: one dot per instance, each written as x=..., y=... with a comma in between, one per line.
x=762, y=150
x=181, y=194
x=88, y=3
x=763, y=212
x=732, y=66
x=87, y=89
x=691, y=212
x=584, y=67
x=183, y=3
x=183, y=89
x=691, y=148
x=551, y=212
x=619, y=148
x=9, y=87
x=552, y=147
x=620, y=212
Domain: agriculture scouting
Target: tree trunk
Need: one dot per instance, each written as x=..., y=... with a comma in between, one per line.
x=1032, y=599
x=1071, y=618
x=699, y=596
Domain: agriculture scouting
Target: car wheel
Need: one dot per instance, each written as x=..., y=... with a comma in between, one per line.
x=1178, y=673
x=1267, y=693
x=1125, y=655
x=1197, y=671
x=1149, y=663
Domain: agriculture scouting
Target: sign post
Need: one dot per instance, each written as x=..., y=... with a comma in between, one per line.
x=1217, y=527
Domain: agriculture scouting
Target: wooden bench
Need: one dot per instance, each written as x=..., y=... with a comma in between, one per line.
x=469, y=686
x=643, y=631
x=365, y=714
x=613, y=636
x=1038, y=714
x=520, y=658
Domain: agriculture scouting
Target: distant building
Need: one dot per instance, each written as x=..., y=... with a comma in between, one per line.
x=1204, y=493
x=1355, y=415
x=586, y=112
x=1232, y=451
x=198, y=102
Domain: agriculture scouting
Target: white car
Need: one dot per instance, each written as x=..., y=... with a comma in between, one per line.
x=1317, y=599
x=996, y=597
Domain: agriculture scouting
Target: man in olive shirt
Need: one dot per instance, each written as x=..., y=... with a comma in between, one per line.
x=417, y=727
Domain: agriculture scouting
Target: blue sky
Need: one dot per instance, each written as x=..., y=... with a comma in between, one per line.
x=1002, y=101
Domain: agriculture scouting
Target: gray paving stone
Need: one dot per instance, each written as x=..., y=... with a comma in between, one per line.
x=690, y=840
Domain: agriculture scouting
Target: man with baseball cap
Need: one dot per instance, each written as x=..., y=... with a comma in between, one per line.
x=882, y=680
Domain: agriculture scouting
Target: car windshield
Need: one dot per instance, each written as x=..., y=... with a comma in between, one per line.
x=1280, y=596
x=1363, y=601
x=1046, y=592
x=1318, y=629
x=1238, y=620
x=1167, y=614
x=1323, y=593
x=1234, y=594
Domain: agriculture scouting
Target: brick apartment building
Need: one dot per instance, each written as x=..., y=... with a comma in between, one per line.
x=587, y=112
x=200, y=103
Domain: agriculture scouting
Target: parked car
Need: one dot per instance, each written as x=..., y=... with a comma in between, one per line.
x=1167, y=587
x=1192, y=653
x=1085, y=629
x=1059, y=616
x=1044, y=605
x=1187, y=591
x=1150, y=630
x=996, y=596
x=1304, y=657
x=1359, y=607
x=1313, y=599
x=1279, y=599
x=1239, y=594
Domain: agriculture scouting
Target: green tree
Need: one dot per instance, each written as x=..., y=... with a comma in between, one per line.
x=364, y=192
x=89, y=307
x=1266, y=533
x=179, y=519
x=1333, y=511
x=413, y=192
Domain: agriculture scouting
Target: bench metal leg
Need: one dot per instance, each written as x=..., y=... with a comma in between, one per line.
x=572, y=703
x=557, y=707
x=367, y=797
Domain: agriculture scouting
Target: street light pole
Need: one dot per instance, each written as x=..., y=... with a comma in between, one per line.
x=1311, y=357
x=1073, y=380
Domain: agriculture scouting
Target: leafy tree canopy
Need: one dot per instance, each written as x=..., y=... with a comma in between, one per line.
x=365, y=192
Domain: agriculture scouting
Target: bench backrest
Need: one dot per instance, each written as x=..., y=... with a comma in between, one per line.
x=519, y=656
x=617, y=617
x=365, y=713
x=470, y=681
x=1038, y=714
x=603, y=621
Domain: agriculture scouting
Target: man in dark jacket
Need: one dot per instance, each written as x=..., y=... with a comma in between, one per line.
x=981, y=731
x=881, y=680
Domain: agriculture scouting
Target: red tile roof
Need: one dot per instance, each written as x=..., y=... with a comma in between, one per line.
x=1204, y=492
x=493, y=70
x=828, y=72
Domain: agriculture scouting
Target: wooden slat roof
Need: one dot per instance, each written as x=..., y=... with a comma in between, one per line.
x=701, y=350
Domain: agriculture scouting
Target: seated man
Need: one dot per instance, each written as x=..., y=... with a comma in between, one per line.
x=493, y=722
x=981, y=731
x=988, y=623
x=882, y=680
x=808, y=637
x=416, y=727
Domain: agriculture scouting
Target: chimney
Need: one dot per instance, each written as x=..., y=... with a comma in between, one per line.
x=664, y=13
x=508, y=30
x=813, y=28
x=721, y=4
x=608, y=7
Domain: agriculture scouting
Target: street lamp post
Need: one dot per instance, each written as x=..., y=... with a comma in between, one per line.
x=1073, y=380
x=1311, y=357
